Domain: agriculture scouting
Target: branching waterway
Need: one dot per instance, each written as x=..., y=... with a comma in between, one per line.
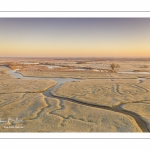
x=61, y=81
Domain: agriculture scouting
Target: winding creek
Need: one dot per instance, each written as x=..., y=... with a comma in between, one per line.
x=60, y=81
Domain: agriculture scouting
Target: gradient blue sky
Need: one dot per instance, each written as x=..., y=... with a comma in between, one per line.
x=75, y=37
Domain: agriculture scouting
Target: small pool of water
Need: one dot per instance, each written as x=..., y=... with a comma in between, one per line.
x=29, y=63
x=131, y=72
x=15, y=74
x=4, y=67
x=80, y=69
x=52, y=66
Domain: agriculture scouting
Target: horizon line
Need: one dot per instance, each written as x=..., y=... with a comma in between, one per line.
x=69, y=57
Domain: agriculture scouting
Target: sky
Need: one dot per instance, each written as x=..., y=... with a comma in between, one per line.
x=74, y=37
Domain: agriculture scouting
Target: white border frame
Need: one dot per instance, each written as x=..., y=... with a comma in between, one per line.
x=81, y=135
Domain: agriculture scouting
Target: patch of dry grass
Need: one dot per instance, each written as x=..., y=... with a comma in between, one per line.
x=24, y=86
x=105, y=92
x=53, y=115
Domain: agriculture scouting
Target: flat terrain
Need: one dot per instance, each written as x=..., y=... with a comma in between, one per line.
x=81, y=74
x=104, y=99
x=36, y=114
x=24, y=86
x=105, y=92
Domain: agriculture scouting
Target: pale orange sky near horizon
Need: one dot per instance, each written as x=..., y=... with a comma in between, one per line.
x=74, y=37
